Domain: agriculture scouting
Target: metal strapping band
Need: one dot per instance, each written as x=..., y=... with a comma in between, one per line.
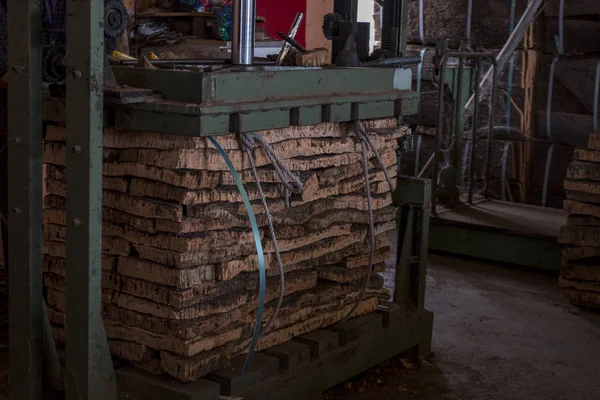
x=259, y=252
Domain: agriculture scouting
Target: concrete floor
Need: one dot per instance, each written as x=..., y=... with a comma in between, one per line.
x=499, y=333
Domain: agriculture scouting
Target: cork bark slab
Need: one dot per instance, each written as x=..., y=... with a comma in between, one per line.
x=586, y=299
x=584, y=171
x=581, y=272
x=158, y=273
x=584, y=197
x=580, y=236
x=583, y=220
x=346, y=275
x=587, y=155
x=584, y=286
x=193, y=368
x=589, y=187
x=579, y=253
x=577, y=207
x=594, y=141
x=192, y=180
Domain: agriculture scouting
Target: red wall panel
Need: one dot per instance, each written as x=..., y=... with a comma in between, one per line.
x=280, y=15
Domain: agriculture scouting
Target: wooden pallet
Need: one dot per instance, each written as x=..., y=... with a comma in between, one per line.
x=302, y=368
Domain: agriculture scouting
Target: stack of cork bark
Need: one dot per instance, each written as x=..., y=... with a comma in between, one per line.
x=580, y=276
x=180, y=280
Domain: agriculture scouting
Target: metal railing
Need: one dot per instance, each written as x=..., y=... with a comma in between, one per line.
x=460, y=112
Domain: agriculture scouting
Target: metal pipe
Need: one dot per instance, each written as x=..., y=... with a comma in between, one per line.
x=438, y=134
x=292, y=34
x=488, y=169
x=458, y=118
x=244, y=27
x=292, y=42
x=474, y=130
x=596, y=96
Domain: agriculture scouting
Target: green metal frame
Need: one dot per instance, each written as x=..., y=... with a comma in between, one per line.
x=218, y=103
x=25, y=198
x=190, y=104
x=89, y=373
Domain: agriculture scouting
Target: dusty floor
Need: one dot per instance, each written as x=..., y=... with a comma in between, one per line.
x=499, y=333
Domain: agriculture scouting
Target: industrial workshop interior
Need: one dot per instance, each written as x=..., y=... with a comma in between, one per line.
x=300, y=199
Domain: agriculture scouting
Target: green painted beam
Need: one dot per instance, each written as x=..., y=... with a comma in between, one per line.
x=494, y=245
x=262, y=85
x=88, y=371
x=25, y=198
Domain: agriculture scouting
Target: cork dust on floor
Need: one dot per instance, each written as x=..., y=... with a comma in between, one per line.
x=499, y=334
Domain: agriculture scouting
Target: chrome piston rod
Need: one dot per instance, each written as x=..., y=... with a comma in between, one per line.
x=243, y=32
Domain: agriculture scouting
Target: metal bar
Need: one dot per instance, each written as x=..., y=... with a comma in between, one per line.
x=439, y=133
x=474, y=132
x=469, y=20
x=418, y=154
x=547, y=175
x=292, y=42
x=596, y=96
x=405, y=245
x=458, y=119
x=243, y=31
x=293, y=31
x=86, y=352
x=403, y=32
x=503, y=174
x=25, y=198
x=488, y=169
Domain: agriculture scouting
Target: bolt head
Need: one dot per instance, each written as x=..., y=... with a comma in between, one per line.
x=77, y=222
x=18, y=140
x=17, y=210
x=76, y=74
x=76, y=149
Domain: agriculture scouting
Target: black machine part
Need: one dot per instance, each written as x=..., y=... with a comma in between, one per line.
x=115, y=23
x=115, y=18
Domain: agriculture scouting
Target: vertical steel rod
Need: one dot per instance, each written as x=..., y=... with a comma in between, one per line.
x=488, y=168
x=474, y=130
x=438, y=134
x=243, y=32
x=86, y=340
x=25, y=198
x=458, y=119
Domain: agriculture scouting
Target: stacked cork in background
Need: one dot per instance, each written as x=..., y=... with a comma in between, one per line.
x=180, y=280
x=580, y=274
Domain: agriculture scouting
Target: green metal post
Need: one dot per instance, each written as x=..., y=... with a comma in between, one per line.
x=88, y=374
x=403, y=28
x=25, y=198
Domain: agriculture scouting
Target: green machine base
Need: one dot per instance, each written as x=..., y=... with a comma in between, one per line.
x=302, y=368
